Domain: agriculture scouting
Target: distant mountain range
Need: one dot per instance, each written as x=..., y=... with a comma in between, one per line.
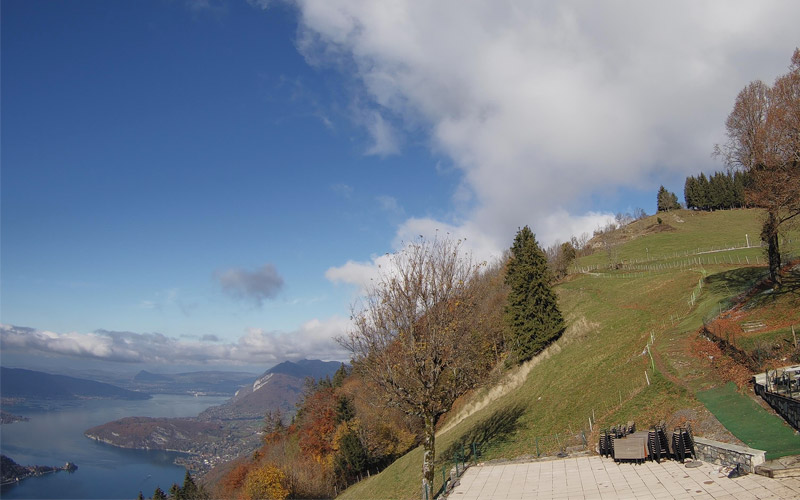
x=30, y=384
x=220, y=433
x=212, y=383
x=279, y=388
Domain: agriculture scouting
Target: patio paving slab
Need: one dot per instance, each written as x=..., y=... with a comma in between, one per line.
x=592, y=477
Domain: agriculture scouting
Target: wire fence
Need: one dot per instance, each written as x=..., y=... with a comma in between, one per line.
x=725, y=254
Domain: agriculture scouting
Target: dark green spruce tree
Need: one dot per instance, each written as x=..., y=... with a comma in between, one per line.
x=532, y=309
x=667, y=200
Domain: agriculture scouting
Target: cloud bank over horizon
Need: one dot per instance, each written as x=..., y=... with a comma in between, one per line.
x=314, y=339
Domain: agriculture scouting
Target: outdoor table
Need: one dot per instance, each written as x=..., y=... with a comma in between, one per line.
x=632, y=447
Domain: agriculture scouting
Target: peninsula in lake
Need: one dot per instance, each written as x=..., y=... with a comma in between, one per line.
x=220, y=433
x=12, y=472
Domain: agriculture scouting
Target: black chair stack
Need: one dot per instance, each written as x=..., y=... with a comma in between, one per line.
x=683, y=444
x=605, y=443
x=657, y=443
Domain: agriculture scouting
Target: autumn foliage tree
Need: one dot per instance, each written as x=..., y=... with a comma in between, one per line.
x=265, y=482
x=764, y=140
x=411, y=335
x=336, y=435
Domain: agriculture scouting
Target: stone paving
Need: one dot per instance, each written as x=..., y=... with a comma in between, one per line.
x=598, y=478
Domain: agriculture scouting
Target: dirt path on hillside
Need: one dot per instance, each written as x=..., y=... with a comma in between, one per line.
x=680, y=358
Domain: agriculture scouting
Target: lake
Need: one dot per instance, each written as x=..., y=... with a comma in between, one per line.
x=54, y=435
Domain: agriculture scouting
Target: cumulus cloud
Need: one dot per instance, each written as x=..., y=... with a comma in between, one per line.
x=360, y=274
x=258, y=285
x=314, y=339
x=475, y=244
x=541, y=104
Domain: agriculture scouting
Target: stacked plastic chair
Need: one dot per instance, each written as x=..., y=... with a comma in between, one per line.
x=683, y=443
x=657, y=443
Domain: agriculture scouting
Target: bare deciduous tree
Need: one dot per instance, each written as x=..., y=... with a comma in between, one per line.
x=764, y=139
x=412, y=333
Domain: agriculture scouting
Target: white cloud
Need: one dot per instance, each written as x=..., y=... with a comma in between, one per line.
x=355, y=273
x=541, y=104
x=560, y=226
x=384, y=139
x=475, y=244
x=314, y=340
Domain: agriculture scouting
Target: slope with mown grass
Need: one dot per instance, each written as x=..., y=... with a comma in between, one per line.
x=601, y=368
x=758, y=428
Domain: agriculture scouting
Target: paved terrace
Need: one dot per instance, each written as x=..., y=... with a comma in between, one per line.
x=601, y=478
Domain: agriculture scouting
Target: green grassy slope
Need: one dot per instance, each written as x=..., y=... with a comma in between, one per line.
x=757, y=428
x=598, y=367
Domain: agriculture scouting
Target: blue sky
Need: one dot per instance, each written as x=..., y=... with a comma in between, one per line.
x=217, y=177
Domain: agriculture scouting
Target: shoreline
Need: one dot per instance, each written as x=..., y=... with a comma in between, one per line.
x=18, y=473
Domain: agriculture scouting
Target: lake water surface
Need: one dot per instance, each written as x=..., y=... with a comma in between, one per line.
x=54, y=436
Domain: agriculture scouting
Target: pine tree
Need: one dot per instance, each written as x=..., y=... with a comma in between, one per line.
x=716, y=191
x=532, y=310
x=703, y=197
x=159, y=494
x=690, y=192
x=190, y=490
x=350, y=460
x=666, y=200
x=739, y=182
x=340, y=375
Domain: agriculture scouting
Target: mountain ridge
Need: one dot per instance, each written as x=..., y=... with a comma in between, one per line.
x=31, y=384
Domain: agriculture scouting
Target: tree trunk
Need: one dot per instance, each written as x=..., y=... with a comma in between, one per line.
x=769, y=234
x=428, y=456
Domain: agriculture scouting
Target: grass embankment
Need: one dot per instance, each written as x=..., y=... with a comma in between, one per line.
x=597, y=369
x=750, y=422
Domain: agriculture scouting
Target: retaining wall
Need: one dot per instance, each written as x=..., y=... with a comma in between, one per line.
x=728, y=455
x=787, y=408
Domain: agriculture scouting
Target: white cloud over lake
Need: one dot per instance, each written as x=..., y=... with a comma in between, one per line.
x=313, y=339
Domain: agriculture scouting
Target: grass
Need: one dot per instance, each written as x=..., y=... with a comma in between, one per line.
x=751, y=423
x=597, y=369
x=694, y=234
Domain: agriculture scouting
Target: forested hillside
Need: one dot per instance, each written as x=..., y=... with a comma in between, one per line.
x=648, y=286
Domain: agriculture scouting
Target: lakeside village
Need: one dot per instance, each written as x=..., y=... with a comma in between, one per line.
x=12, y=472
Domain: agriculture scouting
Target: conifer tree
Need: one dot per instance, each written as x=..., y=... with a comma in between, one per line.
x=739, y=181
x=340, y=375
x=690, y=192
x=702, y=192
x=667, y=200
x=190, y=490
x=532, y=309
